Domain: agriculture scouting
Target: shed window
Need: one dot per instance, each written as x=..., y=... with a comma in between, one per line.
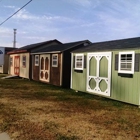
x=79, y=60
x=24, y=61
x=11, y=61
x=126, y=62
x=36, y=60
x=55, y=60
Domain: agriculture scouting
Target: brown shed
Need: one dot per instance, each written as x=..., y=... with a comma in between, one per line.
x=53, y=64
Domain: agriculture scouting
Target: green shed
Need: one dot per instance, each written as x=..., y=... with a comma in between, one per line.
x=110, y=69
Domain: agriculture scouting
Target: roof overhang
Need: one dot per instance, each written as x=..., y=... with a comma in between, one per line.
x=46, y=52
x=17, y=51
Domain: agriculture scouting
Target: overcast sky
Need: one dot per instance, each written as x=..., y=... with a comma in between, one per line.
x=69, y=20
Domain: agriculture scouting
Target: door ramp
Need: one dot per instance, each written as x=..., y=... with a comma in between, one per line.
x=10, y=77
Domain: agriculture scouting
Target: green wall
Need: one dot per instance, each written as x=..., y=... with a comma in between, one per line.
x=122, y=88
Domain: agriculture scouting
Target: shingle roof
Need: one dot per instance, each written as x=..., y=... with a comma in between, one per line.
x=59, y=48
x=32, y=46
x=111, y=45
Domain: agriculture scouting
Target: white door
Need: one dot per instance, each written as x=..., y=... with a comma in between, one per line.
x=45, y=68
x=99, y=73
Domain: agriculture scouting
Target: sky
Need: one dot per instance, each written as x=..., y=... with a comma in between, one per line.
x=69, y=20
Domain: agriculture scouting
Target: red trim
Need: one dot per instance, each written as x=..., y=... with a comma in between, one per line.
x=20, y=51
x=17, y=65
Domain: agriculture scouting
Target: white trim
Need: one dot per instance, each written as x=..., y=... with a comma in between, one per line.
x=56, y=65
x=61, y=70
x=71, y=69
x=97, y=78
x=43, y=70
x=46, y=52
x=82, y=67
x=133, y=62
x=36, y=60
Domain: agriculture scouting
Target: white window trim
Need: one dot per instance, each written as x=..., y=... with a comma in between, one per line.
x=11, y=61
x=24, y=61
x=36, y=60
x=56, y=60
x=82, y=61
x=133, y=62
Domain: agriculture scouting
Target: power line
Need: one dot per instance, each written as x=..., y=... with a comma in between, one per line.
x=15, y=12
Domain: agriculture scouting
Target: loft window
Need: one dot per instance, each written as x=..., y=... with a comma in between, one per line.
x=126, y=62
x=11, y=61
x=79, y=60
x=24, y=61
x=55, y=60
x=36, y=60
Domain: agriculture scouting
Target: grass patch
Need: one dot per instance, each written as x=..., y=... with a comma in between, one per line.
x=36, y=111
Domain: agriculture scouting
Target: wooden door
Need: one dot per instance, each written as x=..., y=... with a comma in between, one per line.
x=17, y=65
x=99, y=73
x=45, y=68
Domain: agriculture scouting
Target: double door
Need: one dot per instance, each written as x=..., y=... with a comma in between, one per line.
x=45, y=68
x=99, y=73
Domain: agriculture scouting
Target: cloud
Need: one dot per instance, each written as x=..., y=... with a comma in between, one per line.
x=85, y=3
x=10, y=7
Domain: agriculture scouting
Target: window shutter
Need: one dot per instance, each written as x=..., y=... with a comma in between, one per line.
x=137, y=57
x=85, y=61
x=116, y=61
x=73, y=61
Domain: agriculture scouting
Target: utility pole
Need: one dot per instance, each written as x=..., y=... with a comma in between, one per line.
x=14, y=42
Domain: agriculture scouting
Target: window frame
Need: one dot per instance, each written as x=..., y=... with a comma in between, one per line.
x=24, y=61
x=82, y=61
x=11, y=61
x=132, y=62
x=56, y=65
x=36, y=60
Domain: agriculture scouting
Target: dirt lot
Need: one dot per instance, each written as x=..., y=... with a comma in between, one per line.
x=36, y=111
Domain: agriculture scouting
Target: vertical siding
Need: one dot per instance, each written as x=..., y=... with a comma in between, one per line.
x=55, y=72
x=35, y=69
x=79, y=79
x=24, y=72
x=124, y=89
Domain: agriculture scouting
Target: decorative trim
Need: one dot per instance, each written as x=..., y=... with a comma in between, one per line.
x=132, y=63
x=36, y=60
x=82, y=61
x=54, y=65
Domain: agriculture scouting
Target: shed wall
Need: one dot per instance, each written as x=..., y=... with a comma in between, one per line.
x=122, y=88
x=24, y=71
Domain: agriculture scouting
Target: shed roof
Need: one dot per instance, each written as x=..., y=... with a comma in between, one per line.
x=60, y=47
x=28, y=48
x=8, y=49
x=129, y=43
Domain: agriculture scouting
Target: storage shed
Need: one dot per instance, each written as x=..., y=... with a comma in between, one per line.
x=110, y=69
x=4, y=59
x=53, y=64
x=20, y=59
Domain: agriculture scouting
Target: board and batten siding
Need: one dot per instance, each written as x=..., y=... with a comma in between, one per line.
x=123, y=88
x=23, y=71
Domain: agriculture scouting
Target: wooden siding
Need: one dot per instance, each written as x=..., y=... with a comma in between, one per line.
x=35, y=69
x=123, y=88
x=55, y=71
x=4, y=67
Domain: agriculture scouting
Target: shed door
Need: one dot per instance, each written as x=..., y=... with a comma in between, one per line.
x=99, y=73
x=45, y=68
x=16, y=65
